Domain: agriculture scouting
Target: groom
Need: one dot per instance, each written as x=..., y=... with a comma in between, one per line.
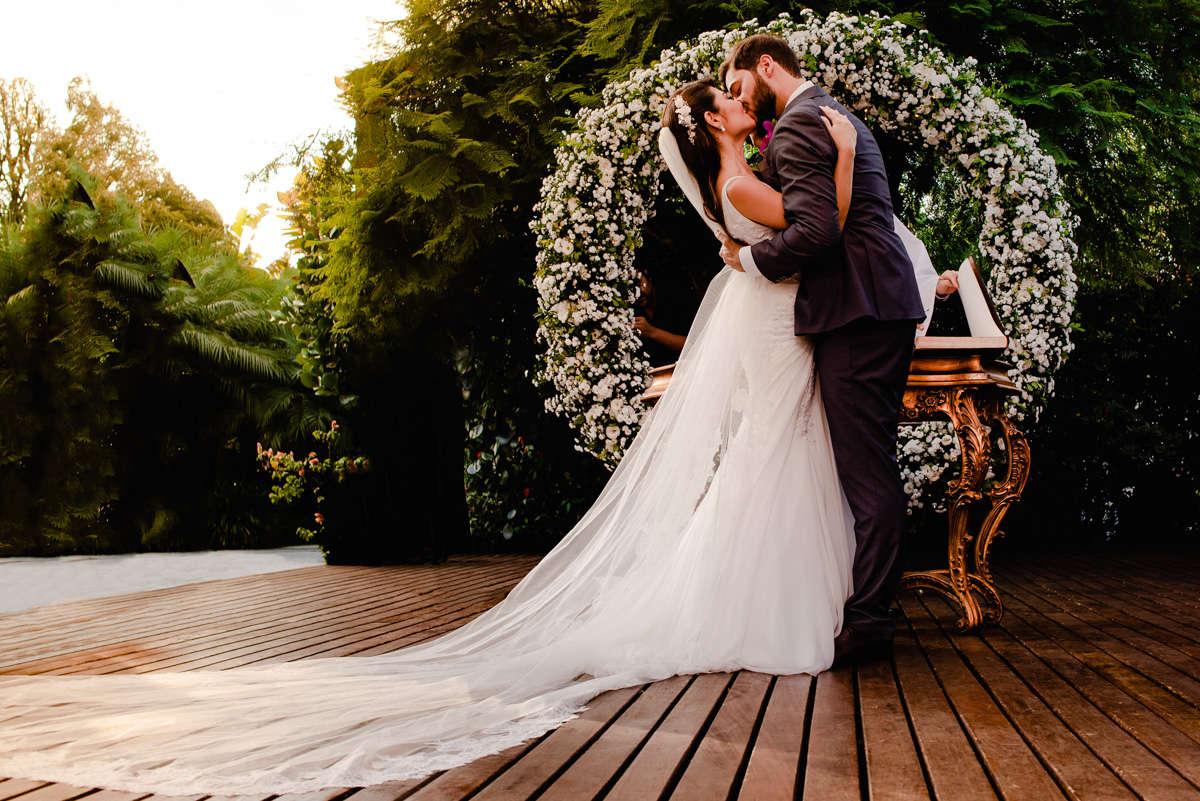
x=858, y=302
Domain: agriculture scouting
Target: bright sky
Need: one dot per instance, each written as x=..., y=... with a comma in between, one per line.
x=219, y=87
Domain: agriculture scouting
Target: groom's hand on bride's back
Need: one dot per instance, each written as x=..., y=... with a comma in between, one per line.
x=729, y=251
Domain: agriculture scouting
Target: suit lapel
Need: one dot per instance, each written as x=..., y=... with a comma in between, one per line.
x=770, y=175
x=811, y=93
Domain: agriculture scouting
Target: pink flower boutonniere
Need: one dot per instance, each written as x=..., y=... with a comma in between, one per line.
x=769, y=127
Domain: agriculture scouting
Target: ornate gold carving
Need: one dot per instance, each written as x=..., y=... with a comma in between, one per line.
x=1003, y=494
x=971, y=403
x=924, y=404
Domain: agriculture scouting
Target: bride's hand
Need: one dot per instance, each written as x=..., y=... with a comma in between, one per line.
x=841, y=130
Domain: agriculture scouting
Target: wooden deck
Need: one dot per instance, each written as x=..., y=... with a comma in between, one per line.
x=1089, y=689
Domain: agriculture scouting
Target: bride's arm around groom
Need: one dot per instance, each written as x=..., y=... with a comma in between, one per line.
x=858, y=301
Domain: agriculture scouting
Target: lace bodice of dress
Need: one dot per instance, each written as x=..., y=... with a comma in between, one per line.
x=739, y=225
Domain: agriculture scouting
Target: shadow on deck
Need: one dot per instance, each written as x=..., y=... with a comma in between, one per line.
x=1087, y=690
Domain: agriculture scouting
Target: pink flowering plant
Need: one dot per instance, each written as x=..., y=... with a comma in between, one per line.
x=293, y=479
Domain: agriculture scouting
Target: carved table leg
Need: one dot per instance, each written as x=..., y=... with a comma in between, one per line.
x=957, y=583
x=1001, y=496
x=975, y=442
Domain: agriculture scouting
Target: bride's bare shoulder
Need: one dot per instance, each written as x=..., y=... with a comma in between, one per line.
x=728, y=183
x=755, y=200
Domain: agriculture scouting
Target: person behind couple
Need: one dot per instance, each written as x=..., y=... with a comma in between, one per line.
x=857, y=300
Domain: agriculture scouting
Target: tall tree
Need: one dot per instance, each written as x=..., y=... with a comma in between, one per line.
x=24, y=122
x=118, y=155
x=428, y=250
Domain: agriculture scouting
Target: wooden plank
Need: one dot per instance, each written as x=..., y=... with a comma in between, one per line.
x=449, y=613
x=1130, y=650
x=1135, y=763
x=15, y=787
x=330, y=642
x=713, y=769
x=664, y=754
x=388, y=791
x=771, y=772
x=390, y=641
x=322, y=636
x=1168, y=706
x=603, y=760
x=105, y=608
x=950, y=759
x=377, y=609
x=463, y=781
x=894, y=770
x=157, y=605
x=81, y=634
x=831, y=769
x=1011, y=764
x=1182, y=628
x=1182, y=653
x=222, y=617
x=1164, y=740
x=1093, y=672
x=326, y=794
x=273, y=600
x=58, y=792
x=238, y=642
x=1175, y=598
x=541, y=765
x=117, y=795
x=1076, y=769
x=1169, y=575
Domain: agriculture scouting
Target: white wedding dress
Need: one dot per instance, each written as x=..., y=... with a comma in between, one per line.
x=721, y=542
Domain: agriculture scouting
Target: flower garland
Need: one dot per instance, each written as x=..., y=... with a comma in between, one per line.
x=594, y=204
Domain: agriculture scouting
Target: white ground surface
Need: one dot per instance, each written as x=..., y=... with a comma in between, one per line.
x=29, y=582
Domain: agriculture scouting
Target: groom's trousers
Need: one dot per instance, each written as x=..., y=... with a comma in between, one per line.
x=862, y=368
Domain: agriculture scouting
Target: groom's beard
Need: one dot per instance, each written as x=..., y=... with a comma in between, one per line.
x=762, y=103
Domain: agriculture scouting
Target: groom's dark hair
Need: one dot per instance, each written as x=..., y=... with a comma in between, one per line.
x=746, y=53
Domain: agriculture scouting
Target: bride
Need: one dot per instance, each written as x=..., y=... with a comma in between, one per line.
x=721, y=542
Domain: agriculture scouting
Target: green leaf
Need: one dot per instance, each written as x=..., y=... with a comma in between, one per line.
x=430, y=178
x=133, y=278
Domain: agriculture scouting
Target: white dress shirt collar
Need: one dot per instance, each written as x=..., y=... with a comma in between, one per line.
x=801, y=88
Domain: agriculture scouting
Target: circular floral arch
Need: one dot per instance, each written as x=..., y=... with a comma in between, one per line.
x=597, y=199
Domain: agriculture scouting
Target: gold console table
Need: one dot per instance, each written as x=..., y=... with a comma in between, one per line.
x=953, y=378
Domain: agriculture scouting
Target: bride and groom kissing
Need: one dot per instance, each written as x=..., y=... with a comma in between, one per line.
x=753, y=524
x=819, y=215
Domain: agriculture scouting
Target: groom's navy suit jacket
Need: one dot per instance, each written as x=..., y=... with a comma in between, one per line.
x=860, y=271
x=858, y=299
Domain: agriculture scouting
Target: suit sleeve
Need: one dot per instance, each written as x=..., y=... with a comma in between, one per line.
x=804, y=164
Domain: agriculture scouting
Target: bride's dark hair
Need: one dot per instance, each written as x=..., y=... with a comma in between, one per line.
x=700, y=152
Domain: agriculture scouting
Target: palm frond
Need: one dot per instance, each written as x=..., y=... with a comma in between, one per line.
x=223, y=350
x=21, y=300
x=128, y=276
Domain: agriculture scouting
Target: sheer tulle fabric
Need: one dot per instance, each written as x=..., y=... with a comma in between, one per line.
x=722, y=541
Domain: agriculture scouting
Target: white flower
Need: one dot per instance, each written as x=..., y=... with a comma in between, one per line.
x=593, y=209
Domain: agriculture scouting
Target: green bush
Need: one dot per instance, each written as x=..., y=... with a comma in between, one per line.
x=136, y=369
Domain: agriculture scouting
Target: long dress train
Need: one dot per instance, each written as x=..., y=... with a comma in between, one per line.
x=722, y=541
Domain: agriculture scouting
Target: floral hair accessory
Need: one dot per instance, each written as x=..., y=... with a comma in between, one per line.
x=684, y=113
x=769, y=127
